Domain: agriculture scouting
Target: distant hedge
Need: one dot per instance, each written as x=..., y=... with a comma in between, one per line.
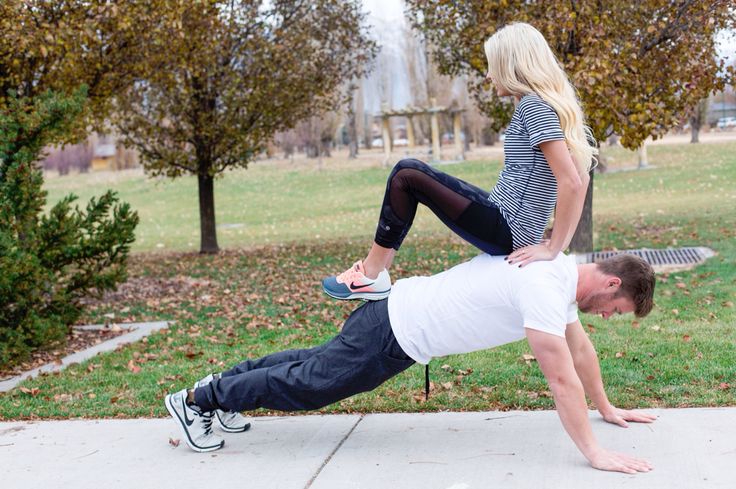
x=48, y=262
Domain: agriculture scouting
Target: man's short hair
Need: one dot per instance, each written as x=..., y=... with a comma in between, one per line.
x=637, y=280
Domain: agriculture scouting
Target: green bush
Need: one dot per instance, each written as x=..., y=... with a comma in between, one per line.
x=49, y=262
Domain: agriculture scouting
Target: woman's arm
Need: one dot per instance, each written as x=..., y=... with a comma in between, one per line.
x=571, y=190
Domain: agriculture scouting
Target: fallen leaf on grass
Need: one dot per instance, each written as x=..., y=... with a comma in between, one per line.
x=133, y=367
x=32, y=392
x=686, y=338
x=528, y=359
x=620, y=354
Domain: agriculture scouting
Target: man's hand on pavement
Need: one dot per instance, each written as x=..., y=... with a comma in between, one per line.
x=621, y=416
x=618, y=462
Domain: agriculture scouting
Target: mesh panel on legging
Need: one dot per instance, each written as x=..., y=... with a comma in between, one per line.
x=461, y=206
x=410, y=186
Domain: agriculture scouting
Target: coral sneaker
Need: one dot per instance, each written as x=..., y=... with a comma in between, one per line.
x=353, y=284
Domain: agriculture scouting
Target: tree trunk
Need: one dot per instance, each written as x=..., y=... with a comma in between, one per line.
x=368, y=130
x=582, y=240
x=207, y=229
x=642, y=155
x=352, y=131
x=696, y=121
x=694, y=132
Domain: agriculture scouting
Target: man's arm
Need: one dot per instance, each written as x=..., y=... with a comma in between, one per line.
x=556, y=362
x=588, y=370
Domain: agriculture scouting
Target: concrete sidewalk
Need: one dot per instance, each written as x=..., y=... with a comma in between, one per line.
x=690, y=449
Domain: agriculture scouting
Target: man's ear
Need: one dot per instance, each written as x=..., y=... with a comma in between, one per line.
x=613, y=282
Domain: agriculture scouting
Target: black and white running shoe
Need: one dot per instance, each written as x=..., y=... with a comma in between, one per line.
x=230, y=421
x=194, y=423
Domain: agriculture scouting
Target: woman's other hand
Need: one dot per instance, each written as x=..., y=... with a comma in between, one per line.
x=528, y=254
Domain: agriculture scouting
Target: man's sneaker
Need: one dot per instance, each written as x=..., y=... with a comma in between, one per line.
x=230, y=421
x=196, y=424
x=353, y=284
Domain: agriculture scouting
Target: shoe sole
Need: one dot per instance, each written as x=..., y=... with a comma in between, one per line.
x=174, y=414
x=231, y=430
x=368, y=296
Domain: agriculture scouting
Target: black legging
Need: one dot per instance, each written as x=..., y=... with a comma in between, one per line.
x=463, y=207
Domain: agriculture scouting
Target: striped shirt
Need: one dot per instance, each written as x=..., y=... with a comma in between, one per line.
x=526, y=190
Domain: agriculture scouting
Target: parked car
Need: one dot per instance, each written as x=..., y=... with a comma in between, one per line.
x=401, y=142
x=726, y=122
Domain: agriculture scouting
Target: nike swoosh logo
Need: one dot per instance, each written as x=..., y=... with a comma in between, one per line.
x=186, y=418
x=353, y=286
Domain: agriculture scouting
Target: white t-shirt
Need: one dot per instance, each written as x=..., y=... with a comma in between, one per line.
x=482, y=303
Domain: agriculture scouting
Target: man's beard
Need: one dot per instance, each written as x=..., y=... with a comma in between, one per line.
x=596, y=302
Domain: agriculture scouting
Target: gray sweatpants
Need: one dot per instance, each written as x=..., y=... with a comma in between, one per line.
x=360, y=358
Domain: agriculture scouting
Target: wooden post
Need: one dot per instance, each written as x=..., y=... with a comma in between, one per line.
x=457, y=129
x=410, y=131
x=436, y=155
x=386, y=135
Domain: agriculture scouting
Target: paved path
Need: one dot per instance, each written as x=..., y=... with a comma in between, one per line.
x=690, y=448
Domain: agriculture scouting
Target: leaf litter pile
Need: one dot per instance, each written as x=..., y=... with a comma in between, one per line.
x=76, y=340
x=265, y=287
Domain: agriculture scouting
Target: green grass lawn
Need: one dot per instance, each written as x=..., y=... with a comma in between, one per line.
x=258, y=297
x=262, y=205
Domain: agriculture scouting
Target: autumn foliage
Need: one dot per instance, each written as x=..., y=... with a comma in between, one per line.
x=223, y=77
x=639, y=67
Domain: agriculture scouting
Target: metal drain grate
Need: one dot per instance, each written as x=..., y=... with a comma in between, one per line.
x=657, y=258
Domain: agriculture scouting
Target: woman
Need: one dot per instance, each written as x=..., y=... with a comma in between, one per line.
x=548, y=155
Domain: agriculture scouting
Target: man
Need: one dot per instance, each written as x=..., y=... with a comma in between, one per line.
x=482, y=303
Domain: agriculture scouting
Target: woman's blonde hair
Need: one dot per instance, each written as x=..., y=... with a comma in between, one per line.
x=521, y=61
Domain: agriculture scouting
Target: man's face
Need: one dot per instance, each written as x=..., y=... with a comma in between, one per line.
x=605, y=304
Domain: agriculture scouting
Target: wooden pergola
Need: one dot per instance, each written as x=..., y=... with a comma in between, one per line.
x=433, y=112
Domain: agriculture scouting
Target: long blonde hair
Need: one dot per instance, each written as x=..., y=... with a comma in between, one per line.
x=521, y=61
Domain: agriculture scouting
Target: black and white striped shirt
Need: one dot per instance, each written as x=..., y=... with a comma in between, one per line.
x=526, y=191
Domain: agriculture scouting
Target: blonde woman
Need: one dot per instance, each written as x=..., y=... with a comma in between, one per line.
x=548, y=155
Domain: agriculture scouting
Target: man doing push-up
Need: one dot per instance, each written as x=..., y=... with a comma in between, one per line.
x=482, y=303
